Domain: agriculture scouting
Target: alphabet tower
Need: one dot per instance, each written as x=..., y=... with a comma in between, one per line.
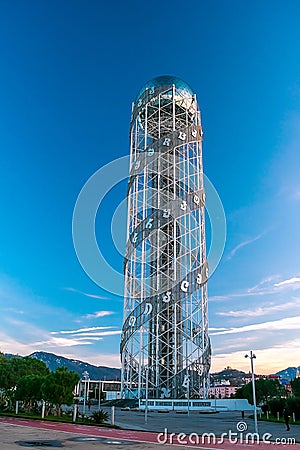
x=165, y=348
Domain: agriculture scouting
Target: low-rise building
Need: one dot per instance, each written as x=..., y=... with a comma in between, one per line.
x=222, y=391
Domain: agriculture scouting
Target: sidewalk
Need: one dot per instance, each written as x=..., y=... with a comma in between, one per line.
x=218, y=424
x=13, y=430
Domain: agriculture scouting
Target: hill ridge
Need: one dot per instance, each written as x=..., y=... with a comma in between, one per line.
x=53, y=361
x=100, y=372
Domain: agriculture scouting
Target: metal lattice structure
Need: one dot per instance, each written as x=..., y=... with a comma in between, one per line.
x=165, y=348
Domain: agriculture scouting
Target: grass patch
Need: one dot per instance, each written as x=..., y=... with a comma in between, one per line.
x=63, y=419
x=271, y=418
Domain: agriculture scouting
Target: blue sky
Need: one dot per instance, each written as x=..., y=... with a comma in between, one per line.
x=69, y=72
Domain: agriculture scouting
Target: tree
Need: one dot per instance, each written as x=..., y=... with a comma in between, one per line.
x=28, y=366
x=294, y=406
x=29, y=388
x=4, y=372
x=276, y=405
x=11, y=370
x=265, y=390
x=296, y=387
x=58, y=387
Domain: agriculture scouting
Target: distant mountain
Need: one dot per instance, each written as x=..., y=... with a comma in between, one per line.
x=53, y=361
x=95, y=372
x=8, y=355
x=288, y=373
x=229, y=373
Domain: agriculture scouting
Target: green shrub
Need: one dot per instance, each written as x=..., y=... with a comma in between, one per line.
x=265, y=408
x=293, y=404
x=276, y=405
x=3, y=405
x=100, y=416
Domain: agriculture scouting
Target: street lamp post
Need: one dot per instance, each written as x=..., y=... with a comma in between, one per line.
x=215, y=395
x=99, y=403
x=85, y=377
x=146, y=394
x=252, y=356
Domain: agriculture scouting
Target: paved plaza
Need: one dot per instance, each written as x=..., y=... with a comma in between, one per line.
x=13, y=437
x=140, y=435
x=196, y=422
x=217, y=423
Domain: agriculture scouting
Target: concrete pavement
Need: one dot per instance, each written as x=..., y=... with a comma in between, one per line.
x=70, y=436
x=217, y=423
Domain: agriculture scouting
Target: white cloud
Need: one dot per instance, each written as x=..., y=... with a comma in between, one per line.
x=31, y=334
x=289, y=323
x=261, y=310
x=14, y=310
x=216, y=329
x=243, y=244
x=264, y=287
x=80, y=336
x=265, y=281
x=61, y=342
x=233, y=343
x=27, y=329
x=90, y=338
x=80, y=330
x=100, y=297
x=98, y=314
x=15, y=346
x=102, y=333
x=241, y=294
x=289, y=282
x=268, y=360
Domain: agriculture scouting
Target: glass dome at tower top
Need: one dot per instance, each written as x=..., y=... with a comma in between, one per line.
x=168, y=80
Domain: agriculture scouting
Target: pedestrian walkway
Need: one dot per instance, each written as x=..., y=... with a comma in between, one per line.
x=218, y=424
x=165, y=435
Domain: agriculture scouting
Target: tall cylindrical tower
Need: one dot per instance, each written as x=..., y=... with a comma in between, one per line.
x=165, y=346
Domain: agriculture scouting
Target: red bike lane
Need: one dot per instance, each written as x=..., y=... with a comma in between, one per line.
x=145, y=437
